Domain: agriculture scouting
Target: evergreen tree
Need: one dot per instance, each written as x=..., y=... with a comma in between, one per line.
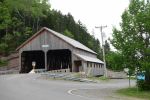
x=106, y=47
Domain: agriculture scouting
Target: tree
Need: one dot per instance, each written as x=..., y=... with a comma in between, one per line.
x=114, y=61
x=5, y=21
x=5, y=18
x=68, y=33
x=133, y=40
x=106, y=47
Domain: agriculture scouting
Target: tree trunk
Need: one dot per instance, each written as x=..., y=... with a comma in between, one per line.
x=37, y=24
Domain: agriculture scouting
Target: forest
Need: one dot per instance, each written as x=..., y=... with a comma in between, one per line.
x=20, y=19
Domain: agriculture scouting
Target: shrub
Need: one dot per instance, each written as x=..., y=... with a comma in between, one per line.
x=143, y=85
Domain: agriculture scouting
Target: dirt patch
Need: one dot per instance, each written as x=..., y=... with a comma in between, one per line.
x=12, y=66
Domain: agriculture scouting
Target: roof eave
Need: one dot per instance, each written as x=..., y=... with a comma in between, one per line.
x=87, y=51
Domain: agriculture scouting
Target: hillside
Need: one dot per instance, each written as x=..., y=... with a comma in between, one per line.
x=22, y=18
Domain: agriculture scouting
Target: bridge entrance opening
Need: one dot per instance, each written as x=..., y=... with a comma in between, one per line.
x=59, y=59
x=27, y=57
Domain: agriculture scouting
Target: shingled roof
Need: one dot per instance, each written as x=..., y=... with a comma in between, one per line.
x=70, y=41
x=87, y=58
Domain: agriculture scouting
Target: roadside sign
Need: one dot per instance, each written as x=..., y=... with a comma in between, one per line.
x=141, y=76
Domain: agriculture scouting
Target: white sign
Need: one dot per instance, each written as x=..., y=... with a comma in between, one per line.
x=45, y=45
x=33, y=63
x=126, y=70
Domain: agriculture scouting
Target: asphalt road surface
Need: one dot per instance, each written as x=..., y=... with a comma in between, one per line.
x=31, y=87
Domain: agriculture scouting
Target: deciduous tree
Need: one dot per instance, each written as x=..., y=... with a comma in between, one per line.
x=133, y=39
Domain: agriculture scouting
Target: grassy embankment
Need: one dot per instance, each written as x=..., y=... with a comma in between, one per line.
x=132, y=92
x=3, y=63
x=98, y=78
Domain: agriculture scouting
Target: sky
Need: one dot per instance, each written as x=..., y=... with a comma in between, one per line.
x=94, y=13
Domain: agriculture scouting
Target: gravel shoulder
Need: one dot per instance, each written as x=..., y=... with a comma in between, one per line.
x=107, y=91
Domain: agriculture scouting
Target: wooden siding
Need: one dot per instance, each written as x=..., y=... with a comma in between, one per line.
x=82, y=52
x=44, y=39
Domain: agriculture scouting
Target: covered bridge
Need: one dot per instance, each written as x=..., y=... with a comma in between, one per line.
x=54, y=51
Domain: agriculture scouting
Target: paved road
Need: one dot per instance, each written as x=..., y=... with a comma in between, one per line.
x=31, y=87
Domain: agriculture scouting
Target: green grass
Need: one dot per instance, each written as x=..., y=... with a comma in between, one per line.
x=99, y=78
x=103, y=78
x=77, y=75
x=92, y=77
x=3, y=63
x=132, y=78
x=132, y=92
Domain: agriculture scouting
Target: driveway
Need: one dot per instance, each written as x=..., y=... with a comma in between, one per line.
x=32, y=87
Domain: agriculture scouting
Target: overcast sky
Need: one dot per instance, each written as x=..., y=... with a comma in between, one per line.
x=93, y=12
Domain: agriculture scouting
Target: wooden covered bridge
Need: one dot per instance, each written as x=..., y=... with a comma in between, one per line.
x=54, y=51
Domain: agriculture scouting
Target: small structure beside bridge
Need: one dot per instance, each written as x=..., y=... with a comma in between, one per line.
x=54, y=51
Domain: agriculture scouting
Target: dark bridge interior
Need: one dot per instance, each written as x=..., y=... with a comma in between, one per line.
x=56, y=59
x=59, y=59
x=27, y=57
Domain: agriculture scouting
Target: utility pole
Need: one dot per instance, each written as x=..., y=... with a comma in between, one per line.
x=101, y=31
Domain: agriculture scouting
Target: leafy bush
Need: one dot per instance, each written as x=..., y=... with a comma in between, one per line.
x=114, y=61
x=143, y=85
